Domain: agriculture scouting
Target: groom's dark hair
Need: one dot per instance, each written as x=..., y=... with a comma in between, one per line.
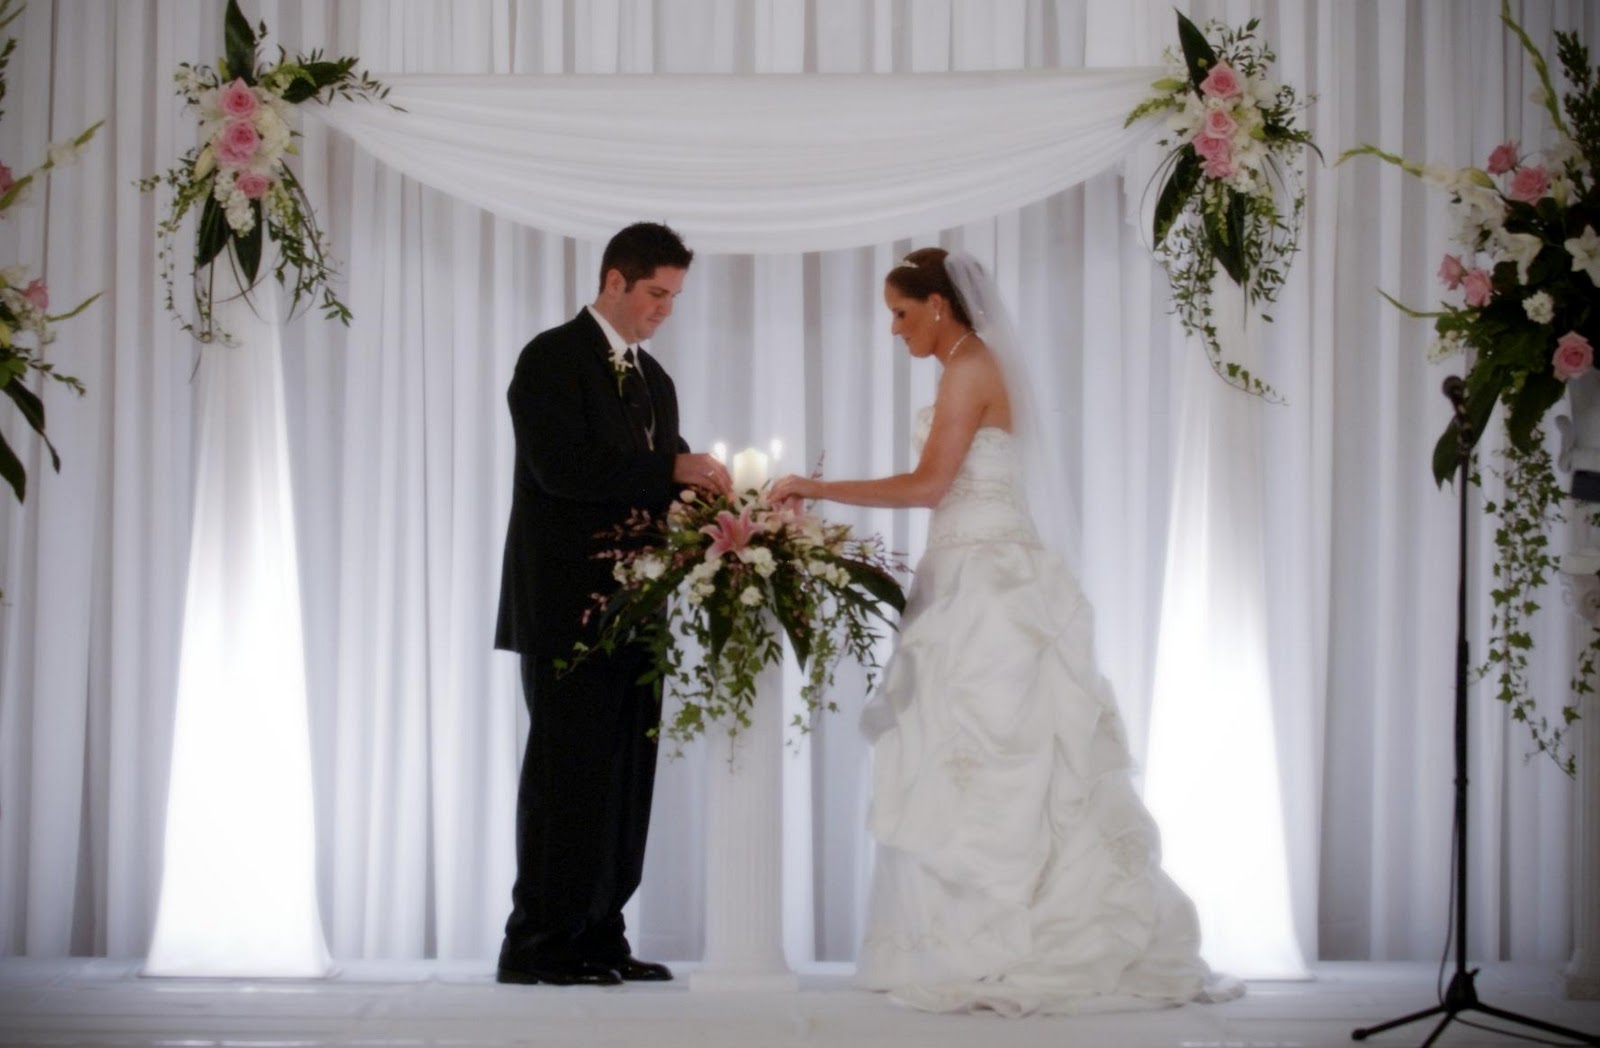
x=640, y=250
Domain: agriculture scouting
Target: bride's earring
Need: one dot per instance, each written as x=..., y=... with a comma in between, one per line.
x=937, y=316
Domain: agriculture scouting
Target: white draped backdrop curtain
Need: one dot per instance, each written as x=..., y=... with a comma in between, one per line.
x=401, y=449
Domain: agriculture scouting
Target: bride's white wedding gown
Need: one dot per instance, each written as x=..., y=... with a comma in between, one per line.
x=1016, y=870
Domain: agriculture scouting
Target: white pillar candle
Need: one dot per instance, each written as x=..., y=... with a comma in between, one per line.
x=749, y=470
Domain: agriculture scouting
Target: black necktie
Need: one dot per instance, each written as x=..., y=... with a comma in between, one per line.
x=636, y=397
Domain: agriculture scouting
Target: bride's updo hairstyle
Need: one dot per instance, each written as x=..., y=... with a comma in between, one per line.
x=921, y=275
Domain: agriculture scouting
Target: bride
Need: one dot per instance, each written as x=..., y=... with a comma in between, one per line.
x=1017, y=869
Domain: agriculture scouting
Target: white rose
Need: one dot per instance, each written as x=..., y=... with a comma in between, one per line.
x=619, y=571
x=1539, y=307
x=761, y=558
x=650, y=567
x=751, y=597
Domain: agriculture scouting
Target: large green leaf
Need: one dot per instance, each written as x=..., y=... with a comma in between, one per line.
x=627, y=609
x=213, y=233
x=32, y=408
x=28, y=403
x=247, y=249
x=239, y=43
x=1538, y=394
x=1169, y=205
x=1225, y=234
x=1480, y=406
x=11, y=470
x=880, y=584
x=1197, y=52
x=783, y=609
x=721, y=628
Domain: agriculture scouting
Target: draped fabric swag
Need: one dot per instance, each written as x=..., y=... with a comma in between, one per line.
x=401, y=450
x=757, y=165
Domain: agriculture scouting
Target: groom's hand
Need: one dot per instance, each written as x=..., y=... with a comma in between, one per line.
x=702, y=471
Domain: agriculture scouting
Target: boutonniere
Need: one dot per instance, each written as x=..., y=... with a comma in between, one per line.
x=620, y=365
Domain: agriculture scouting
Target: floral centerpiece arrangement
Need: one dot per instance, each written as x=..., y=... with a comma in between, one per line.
x=728, y=574
x=25, y=320
x=1524, y=307
x=1235, y=149
x=238, y=178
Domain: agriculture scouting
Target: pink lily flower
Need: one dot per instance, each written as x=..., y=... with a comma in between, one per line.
x=730, y=534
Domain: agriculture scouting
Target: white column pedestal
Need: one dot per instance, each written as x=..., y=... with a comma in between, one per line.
x=744, y=852
x=1581, y=978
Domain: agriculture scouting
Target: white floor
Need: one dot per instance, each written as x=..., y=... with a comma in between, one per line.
x=82, y=1001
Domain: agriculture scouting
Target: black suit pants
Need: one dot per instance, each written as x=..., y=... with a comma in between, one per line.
x=583, y=808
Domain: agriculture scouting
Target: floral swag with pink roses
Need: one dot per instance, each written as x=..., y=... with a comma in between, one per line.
x=238, y=177
x=1525, y=310
x=1235, y=151
x=27, y=327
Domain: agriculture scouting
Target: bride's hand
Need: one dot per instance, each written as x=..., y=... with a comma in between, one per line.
x=792, y=488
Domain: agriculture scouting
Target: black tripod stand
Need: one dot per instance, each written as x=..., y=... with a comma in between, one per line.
x=1462, y=995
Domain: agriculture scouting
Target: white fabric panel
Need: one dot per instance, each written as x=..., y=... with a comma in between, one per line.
x=774, y=164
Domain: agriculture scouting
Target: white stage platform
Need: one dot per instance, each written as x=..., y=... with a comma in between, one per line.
x=96, y=1002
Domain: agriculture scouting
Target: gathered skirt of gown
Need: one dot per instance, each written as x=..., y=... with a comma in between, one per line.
x=1016, y=868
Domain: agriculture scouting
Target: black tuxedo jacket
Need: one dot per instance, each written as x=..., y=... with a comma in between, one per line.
x=581, y=467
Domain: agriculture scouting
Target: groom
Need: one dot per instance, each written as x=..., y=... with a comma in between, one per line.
x=596, y=424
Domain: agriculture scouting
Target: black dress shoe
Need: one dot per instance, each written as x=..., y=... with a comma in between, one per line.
x=634, y=970
x=574, y=973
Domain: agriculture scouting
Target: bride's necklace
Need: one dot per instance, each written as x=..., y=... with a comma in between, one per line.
x=948, y=357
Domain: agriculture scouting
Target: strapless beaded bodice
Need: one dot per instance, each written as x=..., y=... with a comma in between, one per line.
x=984, y=503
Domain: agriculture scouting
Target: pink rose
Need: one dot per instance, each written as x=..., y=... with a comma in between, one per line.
x=237, y=144
x=1503, y=159
x=1574, y=356
x=1219, y=167
x=38, y=295
x=1221, y=82
x=1451, y=271
x=6, y=181
x=1210, y=147
x=1475, y=284
x=1529, y=184
x=253, y=184
x=237, y=100
x=1220, y=124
